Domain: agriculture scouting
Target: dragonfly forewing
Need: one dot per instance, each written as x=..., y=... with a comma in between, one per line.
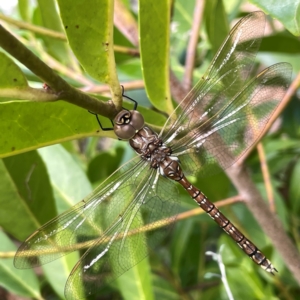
x=225, y=77
x=227, y=135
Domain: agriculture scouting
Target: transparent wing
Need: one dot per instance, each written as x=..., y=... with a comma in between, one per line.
x=152, y=205
x=111, y=228
x=74, y=229
x=223, y=137
x=197, y=130
x=225, y=77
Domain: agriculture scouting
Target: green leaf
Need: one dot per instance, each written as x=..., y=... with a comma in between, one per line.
x=164, y=289
x=49, y=18
x=24, y=9
x=89, y=29
x=104, y=164
x=70, y=185
x=33, y=204
x=26, y=125
x=287, y=12
x=58, y=271
x=183, y=16
x=69, y=181
x=282, y=43
x=182, y=20
x=20, y=282
x=242, y=274
x=26, y=197
x=154, y=30
x=252, y=283
x=294, y=188
x=216, y=23
x=135, y=284
x=182, y=232
x=11, y=75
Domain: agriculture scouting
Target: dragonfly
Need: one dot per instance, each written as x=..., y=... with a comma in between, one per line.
x=214, y=125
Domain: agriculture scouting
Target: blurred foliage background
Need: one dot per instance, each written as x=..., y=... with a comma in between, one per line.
x=40, y=182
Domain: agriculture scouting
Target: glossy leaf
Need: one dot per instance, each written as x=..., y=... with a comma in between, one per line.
x=136, y=283
x=295, y=187
x=286, y=12
x=288, y=44
x=182, y=232
x=42, y=124
x=102, y=165
x=49, y=18
x=23, y=8
x=90, y=35
x=11, y=75
x=155, y=51
x=56, y=279
x=24, y=185
x=20, y=282
x=216, y=22
x=70, y=184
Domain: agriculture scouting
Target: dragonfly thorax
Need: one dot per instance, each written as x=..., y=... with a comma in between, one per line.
x=150, y=147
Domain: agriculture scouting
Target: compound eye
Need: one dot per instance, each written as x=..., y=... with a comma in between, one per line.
x=137, y=120
x=127, y=123
x=125, y=132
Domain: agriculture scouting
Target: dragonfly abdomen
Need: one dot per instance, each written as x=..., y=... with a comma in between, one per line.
x=146, y=143
x=246, y=245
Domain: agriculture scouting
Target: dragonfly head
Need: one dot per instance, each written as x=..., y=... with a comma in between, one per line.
x=128, y=123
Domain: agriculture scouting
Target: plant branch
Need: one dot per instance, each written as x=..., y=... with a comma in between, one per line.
x=34, y=28
x=126, y=23
x=177, y=90
x=28, y=93
x=130, y=85
x=126, y=50
x=266, y=176
x=192, y=46
x=63, y=90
